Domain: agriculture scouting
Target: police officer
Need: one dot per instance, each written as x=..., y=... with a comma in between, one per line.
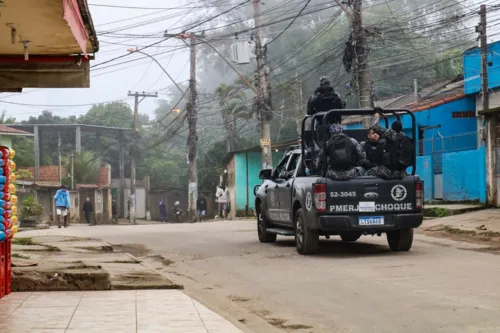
x=374, y=149
x=393, y=136
x=325, y=99
x=345, y=154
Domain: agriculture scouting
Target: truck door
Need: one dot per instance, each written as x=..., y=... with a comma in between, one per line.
x=285, y=187
x=272, y=187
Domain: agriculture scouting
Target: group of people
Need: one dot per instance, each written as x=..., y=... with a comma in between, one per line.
x=63, y=205
x=386, y=153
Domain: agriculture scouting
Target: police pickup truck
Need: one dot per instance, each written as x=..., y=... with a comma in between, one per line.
x=290, y=202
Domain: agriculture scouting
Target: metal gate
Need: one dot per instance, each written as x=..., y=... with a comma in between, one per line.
x=437, y=162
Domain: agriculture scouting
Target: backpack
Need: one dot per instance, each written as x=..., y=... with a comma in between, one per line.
x=341, y=152
x=399, y=152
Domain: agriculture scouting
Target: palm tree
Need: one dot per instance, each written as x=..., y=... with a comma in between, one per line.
x=232, y=101
x=86, y=167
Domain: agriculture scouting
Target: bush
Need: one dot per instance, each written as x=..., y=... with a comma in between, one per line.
x=31, y=210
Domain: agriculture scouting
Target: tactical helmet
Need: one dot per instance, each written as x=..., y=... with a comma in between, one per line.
x=324, y=81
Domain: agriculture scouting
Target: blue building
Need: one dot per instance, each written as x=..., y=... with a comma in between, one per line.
x=447, y=139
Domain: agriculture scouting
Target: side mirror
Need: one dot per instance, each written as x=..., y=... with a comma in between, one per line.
x=265, y=174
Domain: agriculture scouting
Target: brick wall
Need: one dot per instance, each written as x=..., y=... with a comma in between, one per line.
x=105, y=176
x=48, y=173
x=51, y=174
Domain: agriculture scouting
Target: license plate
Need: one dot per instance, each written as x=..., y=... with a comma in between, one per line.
x=371, y=220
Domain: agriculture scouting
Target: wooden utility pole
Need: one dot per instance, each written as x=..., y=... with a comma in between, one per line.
x=192, y=117
x=299, y=112
x=135, y=141
x=362, y=69
x=490, y=120
x=264, y=106
x=72, y=170
x=59, y=165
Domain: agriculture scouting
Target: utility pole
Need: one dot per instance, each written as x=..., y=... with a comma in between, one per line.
x=59, y=157
x=135, y=140
x=362, y=70
x=299, y=112
x=192, y=117
x=490, y=120
x=263, y=100
x=72, y=170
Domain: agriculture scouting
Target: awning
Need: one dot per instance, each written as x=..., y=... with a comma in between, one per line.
x=74, y=19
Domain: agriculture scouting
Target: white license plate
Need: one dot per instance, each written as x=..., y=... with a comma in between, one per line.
x=371, y=220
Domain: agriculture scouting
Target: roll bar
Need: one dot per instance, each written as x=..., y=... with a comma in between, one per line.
x=323, y=117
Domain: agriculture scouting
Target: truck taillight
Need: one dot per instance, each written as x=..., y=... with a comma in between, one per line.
x=320, y=197
x=420, y=194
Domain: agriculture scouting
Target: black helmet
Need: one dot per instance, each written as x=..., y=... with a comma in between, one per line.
x=324, y=81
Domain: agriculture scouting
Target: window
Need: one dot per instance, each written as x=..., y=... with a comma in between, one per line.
x=463, y=114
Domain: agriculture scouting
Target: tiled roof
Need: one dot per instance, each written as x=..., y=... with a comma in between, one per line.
x=6, y=130
x=430, y=97
x=87, y=186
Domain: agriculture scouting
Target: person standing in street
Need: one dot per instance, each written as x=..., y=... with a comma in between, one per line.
x=88, y=211
x=114, y=211
x=163, y=211
x=222, y=195
x=62, y=205
x=202, y=207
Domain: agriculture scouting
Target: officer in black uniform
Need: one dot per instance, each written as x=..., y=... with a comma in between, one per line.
x=374, y=149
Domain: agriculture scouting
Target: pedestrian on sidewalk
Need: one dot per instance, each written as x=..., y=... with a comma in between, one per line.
x=88, y=211
x=163, y=211
x=62, y=205
x=202, y=207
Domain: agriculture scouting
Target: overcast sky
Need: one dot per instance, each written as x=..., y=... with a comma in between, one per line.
x=108, y=84
x=115, y=82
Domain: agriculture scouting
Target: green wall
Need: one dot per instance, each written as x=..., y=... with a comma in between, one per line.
x=6, y=141
x=254, y=168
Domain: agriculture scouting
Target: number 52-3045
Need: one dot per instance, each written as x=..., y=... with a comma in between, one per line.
x=342, y=194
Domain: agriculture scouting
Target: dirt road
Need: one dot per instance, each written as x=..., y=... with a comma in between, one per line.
x=440, y=286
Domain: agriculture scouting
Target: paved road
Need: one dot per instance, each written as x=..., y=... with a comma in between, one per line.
x=359, y=287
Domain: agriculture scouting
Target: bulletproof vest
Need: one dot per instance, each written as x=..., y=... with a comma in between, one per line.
x=375, y=151
x=399, y=152
x=341, y=152
x=325, y=99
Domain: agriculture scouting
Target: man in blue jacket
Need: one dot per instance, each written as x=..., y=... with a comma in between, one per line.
x=62, y=205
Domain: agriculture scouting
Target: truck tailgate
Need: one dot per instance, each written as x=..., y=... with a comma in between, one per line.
x=369, y=195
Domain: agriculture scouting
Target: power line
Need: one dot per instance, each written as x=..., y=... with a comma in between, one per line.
x=290, y=24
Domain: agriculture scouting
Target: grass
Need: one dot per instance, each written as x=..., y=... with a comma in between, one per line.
x=436, y=212
x=19, y=256
x=123, y=262
x=23, y=241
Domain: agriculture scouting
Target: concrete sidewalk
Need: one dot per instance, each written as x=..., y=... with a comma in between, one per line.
x=487, y=219
x=129, y=311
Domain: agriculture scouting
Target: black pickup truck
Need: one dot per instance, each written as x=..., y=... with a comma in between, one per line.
x=291, y=203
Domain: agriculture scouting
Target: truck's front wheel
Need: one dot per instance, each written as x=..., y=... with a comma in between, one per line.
x=400, y=240
x=262, y=225
x=307, y=240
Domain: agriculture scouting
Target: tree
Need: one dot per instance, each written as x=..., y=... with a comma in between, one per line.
x=232, y=103
x=86, y=167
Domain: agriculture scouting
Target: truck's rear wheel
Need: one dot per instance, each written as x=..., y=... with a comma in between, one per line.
x=400, y=240
x=307, y=240
x=350, y=236
x=262, y=225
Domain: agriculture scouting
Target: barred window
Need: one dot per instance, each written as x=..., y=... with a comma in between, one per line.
x=464, y=114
